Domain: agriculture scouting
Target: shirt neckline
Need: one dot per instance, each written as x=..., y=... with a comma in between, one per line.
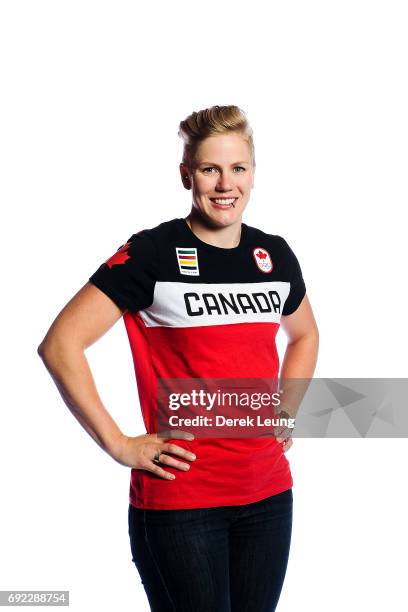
x=211, y=247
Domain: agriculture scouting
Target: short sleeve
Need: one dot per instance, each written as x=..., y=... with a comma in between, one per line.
x=297, y=285
x=128, y=277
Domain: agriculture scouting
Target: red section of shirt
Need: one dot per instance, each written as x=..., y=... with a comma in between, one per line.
x=227, y=471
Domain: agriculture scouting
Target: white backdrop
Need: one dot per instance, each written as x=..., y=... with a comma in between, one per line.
x=92, y=95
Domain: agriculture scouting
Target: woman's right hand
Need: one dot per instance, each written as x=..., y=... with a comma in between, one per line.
x=138, y=452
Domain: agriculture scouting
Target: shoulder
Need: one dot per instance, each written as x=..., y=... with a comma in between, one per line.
x=275, y=241
x=141, y=249
x=280, y=251
x=154, y=236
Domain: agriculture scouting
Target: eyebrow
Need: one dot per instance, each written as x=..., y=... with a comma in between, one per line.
x=213, y=164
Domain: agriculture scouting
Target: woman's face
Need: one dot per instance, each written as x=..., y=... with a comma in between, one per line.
x=222, y=171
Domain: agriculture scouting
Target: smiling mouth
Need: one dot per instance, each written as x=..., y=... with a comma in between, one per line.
x=224, y=202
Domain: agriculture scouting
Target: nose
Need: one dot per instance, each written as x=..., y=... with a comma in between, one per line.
x=224, y=182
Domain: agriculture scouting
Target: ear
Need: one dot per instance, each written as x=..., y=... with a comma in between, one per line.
x=185, y=178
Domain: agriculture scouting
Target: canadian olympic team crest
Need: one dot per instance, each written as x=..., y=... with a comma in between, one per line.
x=262, y=259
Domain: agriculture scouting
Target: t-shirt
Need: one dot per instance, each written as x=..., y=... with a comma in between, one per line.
x=194, y=310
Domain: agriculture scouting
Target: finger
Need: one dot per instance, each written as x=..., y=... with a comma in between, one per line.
x=156, y=469
x=282, y=439
x=175, y=433
x=167, y=460
x=178, y=450
x=287, y=445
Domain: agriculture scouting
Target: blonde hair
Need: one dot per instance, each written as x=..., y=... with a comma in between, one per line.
x=210, y=122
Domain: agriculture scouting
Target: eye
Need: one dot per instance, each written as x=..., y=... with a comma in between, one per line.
x=213, y=168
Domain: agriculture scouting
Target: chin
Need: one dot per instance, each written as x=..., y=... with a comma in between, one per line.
x=226, y=222
x=220, y=218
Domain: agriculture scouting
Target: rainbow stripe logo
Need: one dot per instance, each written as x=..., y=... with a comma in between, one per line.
x=187, y=261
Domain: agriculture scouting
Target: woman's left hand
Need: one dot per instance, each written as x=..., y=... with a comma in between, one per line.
x=287, y=443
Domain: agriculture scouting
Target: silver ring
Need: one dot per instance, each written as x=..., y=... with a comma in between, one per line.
x=156, y=458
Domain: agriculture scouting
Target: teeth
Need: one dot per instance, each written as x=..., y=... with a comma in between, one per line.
x=224, y=201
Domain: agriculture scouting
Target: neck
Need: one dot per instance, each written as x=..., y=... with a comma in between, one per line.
x=225, y=237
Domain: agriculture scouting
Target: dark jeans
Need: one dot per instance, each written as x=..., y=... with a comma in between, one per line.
x=223, y=559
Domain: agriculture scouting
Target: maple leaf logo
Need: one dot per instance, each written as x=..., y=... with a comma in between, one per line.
x=119, y=257
x=260, y=255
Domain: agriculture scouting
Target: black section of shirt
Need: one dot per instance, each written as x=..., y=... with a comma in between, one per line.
x=152, y=257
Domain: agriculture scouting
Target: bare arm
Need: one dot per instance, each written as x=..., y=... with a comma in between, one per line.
x=87, y=316
x=85, y=319
x=299, y=361
x=303, y=342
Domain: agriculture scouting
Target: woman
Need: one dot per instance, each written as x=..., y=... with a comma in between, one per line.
x=202, y=298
